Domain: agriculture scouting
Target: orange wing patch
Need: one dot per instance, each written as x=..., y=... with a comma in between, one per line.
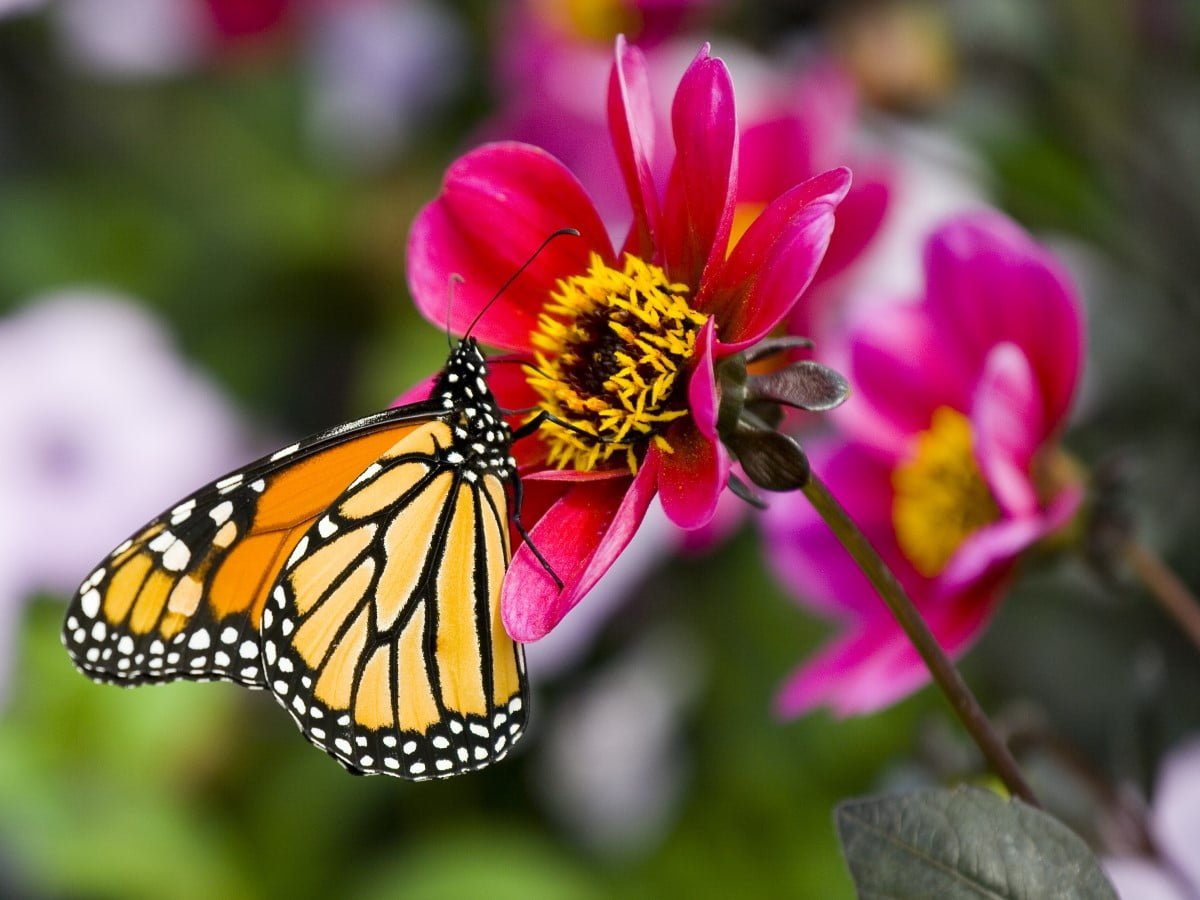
x=184, y=597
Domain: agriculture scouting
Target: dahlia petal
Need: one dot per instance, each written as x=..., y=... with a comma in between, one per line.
x=693, y=476
x=987, y=555
x=525, y=195
x=580, y=535
x=901, y=372
x=988, y=281
x=806, y=556
x=631, y=123
x=858, y=664
x=1008, y=422
x=702, y=388
x=775, y=261
x=858, y=218
x=701, y=189
x=876, y=666
x=773, y=156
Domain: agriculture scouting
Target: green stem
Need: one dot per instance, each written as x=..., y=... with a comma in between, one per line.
x=965, y=706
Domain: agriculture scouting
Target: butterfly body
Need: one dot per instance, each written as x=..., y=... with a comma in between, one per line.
x=355, y=575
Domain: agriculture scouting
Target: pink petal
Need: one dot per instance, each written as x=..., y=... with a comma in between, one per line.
x=498, y=204
x=1008, y=421
x=703, y=401
x=775, y=260
x=580, y=535
x=807, y=557
x=988, y=282
x=988, y=555
x=631, y=122
x=699, y=204
x=877, y=666
x=773, y=156
x=901, y=371
x=693, y=476
x=858, y=219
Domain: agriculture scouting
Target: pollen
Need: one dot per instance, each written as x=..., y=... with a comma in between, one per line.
x=611, y=346
x=941, y=496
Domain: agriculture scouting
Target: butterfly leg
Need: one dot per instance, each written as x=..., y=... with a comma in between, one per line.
x=518, y=495
x=545, y=416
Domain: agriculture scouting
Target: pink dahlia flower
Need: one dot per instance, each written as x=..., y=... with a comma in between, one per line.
x=945, y=459
x=623, y=343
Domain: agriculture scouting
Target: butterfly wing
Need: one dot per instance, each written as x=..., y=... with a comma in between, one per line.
x=182, y=598
x=382, y=636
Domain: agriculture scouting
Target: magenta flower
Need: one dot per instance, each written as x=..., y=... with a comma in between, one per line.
x=946, y=460
x=624, y=344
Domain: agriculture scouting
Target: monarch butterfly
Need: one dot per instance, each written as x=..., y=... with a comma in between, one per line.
x=355, y=575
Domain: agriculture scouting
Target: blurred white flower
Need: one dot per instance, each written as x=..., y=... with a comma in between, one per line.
x=378, y=68
x=104, y=427
x=1175, y=829
x=133, y=38
x=613, y=762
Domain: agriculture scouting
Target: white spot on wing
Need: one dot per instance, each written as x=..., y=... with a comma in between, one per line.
x=177, y=556
x=221, y=512
x=301, y=549
x=199, y=640
x=89, y=603
x=286, y=451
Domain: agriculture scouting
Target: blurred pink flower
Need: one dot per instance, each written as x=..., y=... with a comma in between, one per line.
x=500, y=201
x=943, y=459
x=805, y=125
x=104, y=426
x=1175, y=827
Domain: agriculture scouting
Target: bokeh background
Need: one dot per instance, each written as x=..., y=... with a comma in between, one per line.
x=203, y=213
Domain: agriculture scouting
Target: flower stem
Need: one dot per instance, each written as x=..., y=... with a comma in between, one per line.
x=947, y=677
x=1166, y=587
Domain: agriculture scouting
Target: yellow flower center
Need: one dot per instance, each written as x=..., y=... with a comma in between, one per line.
x=599, y=21
x=941, y=496
x=611, y=346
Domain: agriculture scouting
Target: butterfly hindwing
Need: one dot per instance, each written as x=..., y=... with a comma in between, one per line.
x=182, y=597
x=382, y=637
x=356, y=575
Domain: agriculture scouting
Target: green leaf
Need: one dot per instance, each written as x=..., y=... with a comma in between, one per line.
x=966, y=843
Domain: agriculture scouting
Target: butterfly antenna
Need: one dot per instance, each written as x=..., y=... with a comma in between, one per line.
x=562, y=232
x=455, y=278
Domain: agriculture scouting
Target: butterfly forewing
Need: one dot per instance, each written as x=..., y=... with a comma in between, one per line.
x=182, y=598
x=382, y=637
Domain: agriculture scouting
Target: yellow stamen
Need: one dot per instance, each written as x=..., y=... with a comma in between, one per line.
x=941, y=495
x=610, y=347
